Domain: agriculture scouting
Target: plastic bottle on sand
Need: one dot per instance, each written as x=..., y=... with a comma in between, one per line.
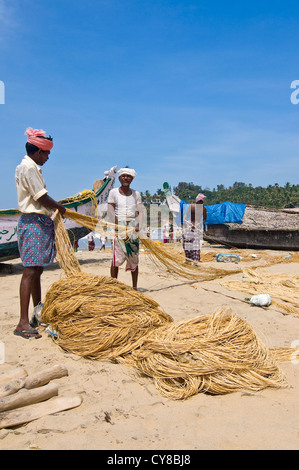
x=261, y=300
x=227, y=258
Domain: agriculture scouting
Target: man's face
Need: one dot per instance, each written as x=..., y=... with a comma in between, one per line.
x=125, y=179
x=41, y=156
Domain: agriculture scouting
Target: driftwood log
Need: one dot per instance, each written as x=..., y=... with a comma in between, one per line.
x=26, y=397
x=32, y=381
x=29, y=413
x=11, y=387
x=45, y=376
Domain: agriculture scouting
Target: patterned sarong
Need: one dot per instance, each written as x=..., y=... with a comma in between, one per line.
x=36, y=240
x=126, y=250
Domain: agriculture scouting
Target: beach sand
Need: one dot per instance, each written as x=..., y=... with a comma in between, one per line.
x=140, y=417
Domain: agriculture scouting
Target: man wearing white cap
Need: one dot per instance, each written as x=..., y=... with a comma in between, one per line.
x=125, y=208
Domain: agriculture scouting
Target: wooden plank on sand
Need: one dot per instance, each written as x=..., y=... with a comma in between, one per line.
x=26, y=397
x=11, y=387
x=29, y=413
x=45, y=376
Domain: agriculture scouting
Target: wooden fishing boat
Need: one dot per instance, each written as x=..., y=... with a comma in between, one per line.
x=261, y=228
x=87, y=202
x=258, y=228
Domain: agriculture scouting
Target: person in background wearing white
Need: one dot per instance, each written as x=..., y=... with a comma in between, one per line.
x=125, y=209
x=103, y=241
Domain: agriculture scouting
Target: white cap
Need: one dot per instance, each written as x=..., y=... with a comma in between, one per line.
x=127, y=171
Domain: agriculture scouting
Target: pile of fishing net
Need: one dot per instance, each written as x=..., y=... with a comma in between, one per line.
x=216, y=354
x=101, y=318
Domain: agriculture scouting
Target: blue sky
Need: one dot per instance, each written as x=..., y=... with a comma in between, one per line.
x=193, y=91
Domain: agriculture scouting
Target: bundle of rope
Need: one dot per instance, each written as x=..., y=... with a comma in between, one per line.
x=96, y=316
x=99, y=317
x=216, y=354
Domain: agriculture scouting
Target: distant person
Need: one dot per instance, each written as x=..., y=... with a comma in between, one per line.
x=103, y=241
x=76, y=245
x=91, y=243
x=193, y=220
x=165, y=233
x=178, y=235
x=36, y=238
x=125, y=209
x=170, y=233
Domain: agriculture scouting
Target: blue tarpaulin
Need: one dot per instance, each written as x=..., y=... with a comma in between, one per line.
x=227, y=212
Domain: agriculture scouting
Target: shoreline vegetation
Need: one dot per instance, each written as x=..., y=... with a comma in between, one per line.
x=273, y=196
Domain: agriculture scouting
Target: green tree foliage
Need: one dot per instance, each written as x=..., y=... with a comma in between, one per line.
x=273, y=196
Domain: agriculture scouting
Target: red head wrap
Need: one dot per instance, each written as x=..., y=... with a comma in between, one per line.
x=38, y=138
x=200, y=197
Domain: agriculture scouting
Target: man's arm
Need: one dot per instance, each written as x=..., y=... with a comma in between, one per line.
x=113, y=219
x=111, y=213
x=48, y=202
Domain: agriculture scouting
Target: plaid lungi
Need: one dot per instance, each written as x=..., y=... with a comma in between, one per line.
x=36, y=240
x=191, y=243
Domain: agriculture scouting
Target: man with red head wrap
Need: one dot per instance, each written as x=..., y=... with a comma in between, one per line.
x=35, y=227
x=38, y=138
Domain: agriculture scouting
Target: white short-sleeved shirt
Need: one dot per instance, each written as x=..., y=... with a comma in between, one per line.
x=30, y=186
x=125, y=206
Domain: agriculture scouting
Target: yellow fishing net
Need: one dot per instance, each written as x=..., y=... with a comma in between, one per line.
x=85, y=194
x=163, y=257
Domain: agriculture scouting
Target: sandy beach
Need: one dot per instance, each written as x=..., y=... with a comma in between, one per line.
x=121, y=409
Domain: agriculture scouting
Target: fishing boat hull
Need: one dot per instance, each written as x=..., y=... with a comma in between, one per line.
x=91, y=202
x=253, y=239
x=261, y=228
x=256, y=227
